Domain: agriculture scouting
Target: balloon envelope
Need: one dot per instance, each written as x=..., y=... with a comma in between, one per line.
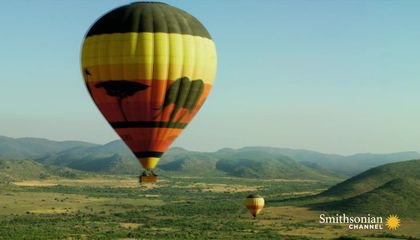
x=254, y=203
x=149, y=68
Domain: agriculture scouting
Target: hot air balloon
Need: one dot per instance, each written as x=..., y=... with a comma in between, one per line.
x=148, y=67
x=254, y=203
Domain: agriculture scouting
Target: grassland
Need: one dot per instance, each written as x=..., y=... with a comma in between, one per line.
x=109, y=207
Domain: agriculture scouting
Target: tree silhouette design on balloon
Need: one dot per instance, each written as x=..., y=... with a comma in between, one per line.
x=121, y=89
x=184, y=93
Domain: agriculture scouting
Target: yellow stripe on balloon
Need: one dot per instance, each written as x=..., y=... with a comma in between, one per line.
x=159, y=56
x=254, y=202
x=149, y=162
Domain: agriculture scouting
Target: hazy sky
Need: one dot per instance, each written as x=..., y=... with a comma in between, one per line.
x=331, y=76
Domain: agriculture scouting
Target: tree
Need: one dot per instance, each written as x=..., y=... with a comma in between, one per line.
x=121, y=89
x=184, y=93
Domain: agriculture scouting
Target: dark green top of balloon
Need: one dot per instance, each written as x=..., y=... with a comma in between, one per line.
x=254, y=196
x=148, y=17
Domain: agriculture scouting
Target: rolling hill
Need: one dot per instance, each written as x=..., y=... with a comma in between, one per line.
x=374, y=178
x=389, y=189
x=342, y=165
x=179, y=160
x=17, y=170
x=399, y=196
x=111, y=158
x=262, y=164
x=29, y=148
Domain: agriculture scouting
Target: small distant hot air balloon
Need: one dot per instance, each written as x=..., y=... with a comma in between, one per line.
x=254, y=203
x=149, y=68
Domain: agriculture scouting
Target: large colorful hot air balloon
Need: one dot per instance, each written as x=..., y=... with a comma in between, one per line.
x=149, y=68
x=254, y=203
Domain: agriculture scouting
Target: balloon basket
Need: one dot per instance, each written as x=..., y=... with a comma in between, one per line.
x=147, y=179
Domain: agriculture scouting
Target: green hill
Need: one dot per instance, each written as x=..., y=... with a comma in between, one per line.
x=389, y=189
x=17, y=170
x=29, y=148
x=341, y=165
x=258, y=164
x=111, y=158
x=400, y=196
x=181, y=161
x=374, y=178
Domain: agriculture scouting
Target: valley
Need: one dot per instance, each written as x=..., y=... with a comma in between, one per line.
x=79, y=190
x=117, y=207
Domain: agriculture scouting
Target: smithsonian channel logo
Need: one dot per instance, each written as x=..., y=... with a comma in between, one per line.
x=368, y=222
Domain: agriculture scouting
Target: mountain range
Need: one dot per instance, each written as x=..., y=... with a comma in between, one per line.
x=379, y=183
x=255, y=162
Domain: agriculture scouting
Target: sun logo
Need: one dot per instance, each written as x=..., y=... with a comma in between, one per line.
x=393, y=222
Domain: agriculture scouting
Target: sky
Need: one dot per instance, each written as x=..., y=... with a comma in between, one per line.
x=331, y=76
